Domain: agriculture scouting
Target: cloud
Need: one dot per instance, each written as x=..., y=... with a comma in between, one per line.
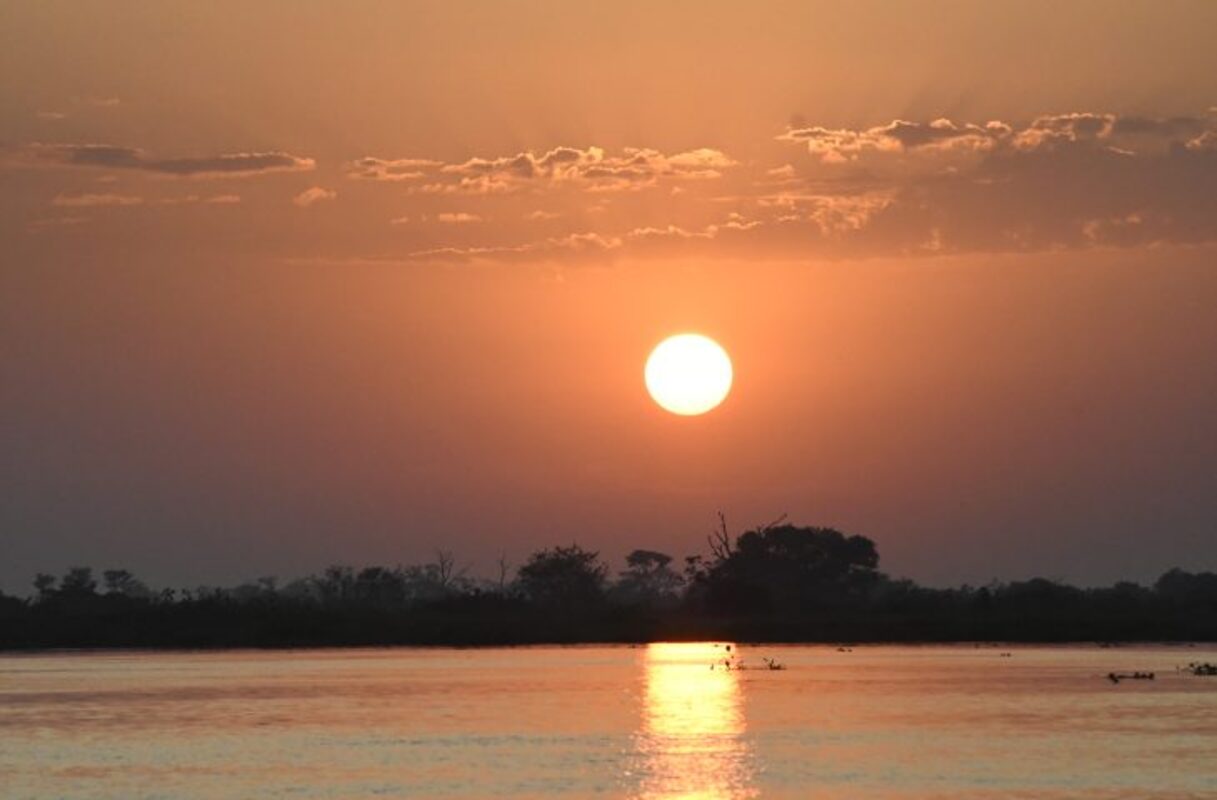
x=51, y=223
x=90, y=200
x=192, y=199
x=1052, y=130
x=129, y=158
x=833, y=215
x=457, y=217
x=842, y=145
x=592, y=246
x=572, y=246
x=313, y=194
x=1076, y=179
x=590, y=169
x=54, y=115
x=381, y=169
x=1170, y=127
x=1071, y=180
x=902, y=139
x=1206, y=141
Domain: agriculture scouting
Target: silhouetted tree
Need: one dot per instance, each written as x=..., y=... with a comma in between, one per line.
x=121, y=582
x=44, y=584
x=437, y=579
x=648, y=579
x=380, y=586
x=786, y=568
x=444, y=566
x=335, y=584
x=78, y=582
x=563, y=576
x=10, y=606
x=504, y=567
x=1183, y=588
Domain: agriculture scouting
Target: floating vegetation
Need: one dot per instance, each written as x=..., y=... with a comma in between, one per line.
x=737, y=664
x=1202, y=668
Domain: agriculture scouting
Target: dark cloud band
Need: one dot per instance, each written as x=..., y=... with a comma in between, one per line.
x=130, y=158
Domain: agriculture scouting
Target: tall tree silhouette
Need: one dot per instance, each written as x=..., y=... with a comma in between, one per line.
x=648, y=580
x=78, y=582
x=568, y=577
x=788, y=569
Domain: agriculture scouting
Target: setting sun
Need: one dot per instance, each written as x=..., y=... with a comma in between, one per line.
x=688, y=374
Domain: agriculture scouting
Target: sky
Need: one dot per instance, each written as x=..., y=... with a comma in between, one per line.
x=290, y=284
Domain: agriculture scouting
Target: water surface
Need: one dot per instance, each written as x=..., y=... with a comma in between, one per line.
x=648, y=722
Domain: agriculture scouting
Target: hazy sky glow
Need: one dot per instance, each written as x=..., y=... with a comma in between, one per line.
x=304, y=283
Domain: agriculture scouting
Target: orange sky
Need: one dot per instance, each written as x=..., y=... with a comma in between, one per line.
x=298, y=284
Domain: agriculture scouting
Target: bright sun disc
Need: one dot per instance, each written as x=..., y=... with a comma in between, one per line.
x=688, y=374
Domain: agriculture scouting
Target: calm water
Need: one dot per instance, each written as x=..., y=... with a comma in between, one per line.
x=646, y=722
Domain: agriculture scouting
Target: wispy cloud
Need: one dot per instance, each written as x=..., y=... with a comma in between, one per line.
x=457, y=217
x=192, y=199
x=314, y=194
x=130, y=158
x=592, y=246
x=591, y=169
x=390, y=169
x=904, y=138
x=582, y=245
x=90, y=200
x=51, y=223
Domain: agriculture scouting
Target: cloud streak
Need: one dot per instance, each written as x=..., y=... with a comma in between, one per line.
x=457, y=217
x=589, y=169
x=92, y=200
x=398, y=169
x=96, y=200
x=103, y=156
x=312, y=195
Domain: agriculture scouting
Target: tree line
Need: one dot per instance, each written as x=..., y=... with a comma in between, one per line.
x=778, y=582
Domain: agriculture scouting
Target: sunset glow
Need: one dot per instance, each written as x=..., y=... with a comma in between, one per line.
x=284, y=288
x=488, y=369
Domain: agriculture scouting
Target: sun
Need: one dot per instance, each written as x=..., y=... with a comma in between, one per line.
x=688, y=374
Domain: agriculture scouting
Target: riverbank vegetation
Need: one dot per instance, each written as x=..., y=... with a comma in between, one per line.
x=776, y=583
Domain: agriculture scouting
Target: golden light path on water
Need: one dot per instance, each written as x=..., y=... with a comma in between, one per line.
x=692, y=737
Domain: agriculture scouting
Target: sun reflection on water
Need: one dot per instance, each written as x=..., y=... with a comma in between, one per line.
x=692, y=736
